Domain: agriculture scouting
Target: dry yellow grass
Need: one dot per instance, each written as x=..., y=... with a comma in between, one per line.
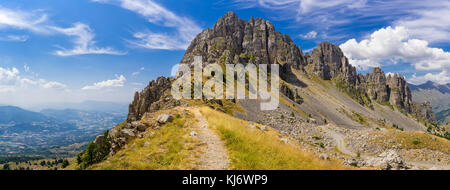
x=167, y=148
x=253, y=149
x=411, y=140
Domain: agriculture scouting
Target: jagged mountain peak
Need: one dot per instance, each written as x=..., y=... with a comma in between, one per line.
x=233, y=40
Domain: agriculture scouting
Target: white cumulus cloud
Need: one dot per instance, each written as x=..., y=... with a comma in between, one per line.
x=309, y=35
x=441, y=78
x=391, y=45
x=11, y=80
x=119, y=81
x=53, y=84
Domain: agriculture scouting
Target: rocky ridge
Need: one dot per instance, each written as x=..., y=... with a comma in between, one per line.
x=233, y=40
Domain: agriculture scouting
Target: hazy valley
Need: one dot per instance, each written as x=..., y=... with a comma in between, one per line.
x=51, y=132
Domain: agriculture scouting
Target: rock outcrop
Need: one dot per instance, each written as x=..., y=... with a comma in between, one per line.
x=424, y=111
x=154, y=97
x=400, y=95
x=389, y=160
x=376, y=86
x=233, y=40
x=328, y=62
x=291, y=93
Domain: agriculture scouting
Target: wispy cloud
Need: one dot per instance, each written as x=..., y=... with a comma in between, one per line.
x=135, y=74
x=84, y=41
x=431, y=23
x=33, y=21
x=15, y=38
x=427, y=19
x=119, y=81
x=185, y=28
x=37, y=22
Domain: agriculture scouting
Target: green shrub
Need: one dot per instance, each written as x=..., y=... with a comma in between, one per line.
x=65, y=163
x=94, y=153
x=6, y=167
x=396, y=127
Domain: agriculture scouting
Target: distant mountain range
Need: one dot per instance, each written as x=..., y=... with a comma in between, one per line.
x=9, y=114
x=437, y=94
x=429, y=85
x=97, y=106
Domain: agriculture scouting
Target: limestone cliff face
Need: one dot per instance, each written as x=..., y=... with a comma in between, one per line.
x=233, y=40
x=400, y=95
x=376, y=86
x=328, y=61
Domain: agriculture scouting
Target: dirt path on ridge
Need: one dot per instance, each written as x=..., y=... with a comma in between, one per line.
x=215, y=156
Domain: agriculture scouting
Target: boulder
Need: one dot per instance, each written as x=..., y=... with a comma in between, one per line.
x=193, y=133
x=285, y=140
x=117, y=144
x=251, y=126
x=128, y=133
x=264, y=128
x=391, y=160
x=113, y=133
x=324, y=157
x=99, y=139
x=312, y=120
x=139, y=126
x=388, y=160
x=164, y=118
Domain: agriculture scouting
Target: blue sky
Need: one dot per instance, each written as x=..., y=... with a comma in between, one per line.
x=77, y=50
